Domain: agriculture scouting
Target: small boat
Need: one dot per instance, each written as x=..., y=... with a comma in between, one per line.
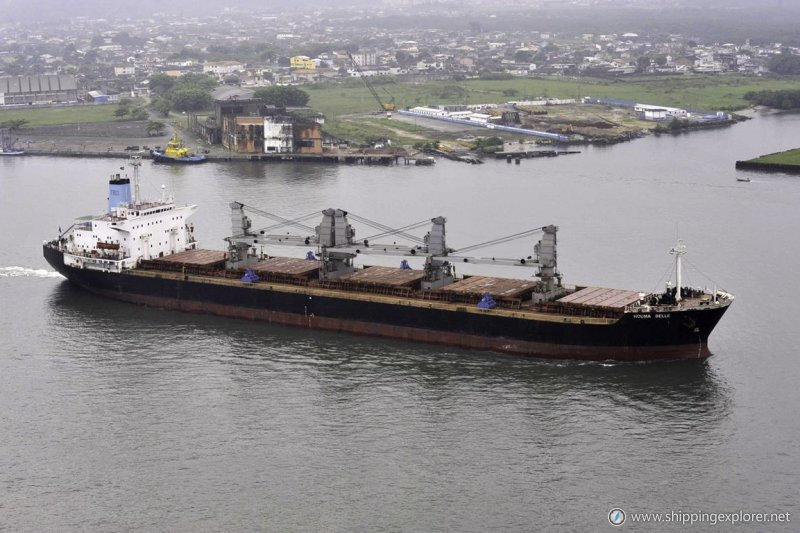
x=743, y=179
x=7, y=148
x=176, y=152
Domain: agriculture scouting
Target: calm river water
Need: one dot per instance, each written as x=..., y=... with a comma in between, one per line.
x=115, y=417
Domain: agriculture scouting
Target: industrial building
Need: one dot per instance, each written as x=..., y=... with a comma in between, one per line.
x=243, y=134
x=44, y=89
x=244, y=124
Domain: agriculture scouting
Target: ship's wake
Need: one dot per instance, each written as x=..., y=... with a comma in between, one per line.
x=22, y=272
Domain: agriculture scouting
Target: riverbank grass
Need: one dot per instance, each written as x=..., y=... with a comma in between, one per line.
x=56, y=116
x=711, y=93
x=788, y=158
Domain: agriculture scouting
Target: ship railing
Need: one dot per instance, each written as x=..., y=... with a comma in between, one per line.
x=154, y=264
x=372, y=288
x=94, y=254
x=453, y=297
x=269, y=277
x=579, y=310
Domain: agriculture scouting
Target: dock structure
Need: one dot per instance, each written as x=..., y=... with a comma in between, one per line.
x=348, y=158
x=498, y=127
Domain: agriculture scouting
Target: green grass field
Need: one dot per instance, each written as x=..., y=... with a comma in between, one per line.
x=365, y=130
x=52, y=116
x=789, y=157
x=711, y=93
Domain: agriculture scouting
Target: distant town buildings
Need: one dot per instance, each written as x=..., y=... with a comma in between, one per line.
x=294, y=48
x=302, y=62
x=126, y=70
x=223, y=68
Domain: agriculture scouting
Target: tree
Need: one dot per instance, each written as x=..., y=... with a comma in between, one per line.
x=190, y=92
x=121, y=111
x=202, y=81
x=642, y=62
x=161, y=83
x=785, y=63
x=269, y=56
x=139, y=114
x=403, y=58
x=70, y=53
x=783, y=99
x=155, y=128
x=14, y=124
x=190, y=99
x=162, y=106
x=523, y=56
x=282, y=96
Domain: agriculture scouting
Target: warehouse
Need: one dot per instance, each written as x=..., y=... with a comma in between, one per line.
x=44, y=89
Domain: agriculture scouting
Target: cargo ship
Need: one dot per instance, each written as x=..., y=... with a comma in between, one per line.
x=176, y=152
x=145, y=252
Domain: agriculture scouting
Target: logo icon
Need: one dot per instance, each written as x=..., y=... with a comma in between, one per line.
x=616, y=516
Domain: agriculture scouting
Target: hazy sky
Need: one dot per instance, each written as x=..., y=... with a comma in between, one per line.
x=50, y=10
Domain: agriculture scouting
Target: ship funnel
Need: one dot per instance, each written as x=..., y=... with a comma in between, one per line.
x=119, y=192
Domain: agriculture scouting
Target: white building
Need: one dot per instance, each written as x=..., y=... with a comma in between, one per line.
x=223, y=68
x=278, y=135
x=369, y=72
x=669, y=112
x=127, y=70
x=429, y=111
x=365, y=58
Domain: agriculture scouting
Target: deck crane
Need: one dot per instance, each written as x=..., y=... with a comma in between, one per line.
x=387, y=107
x=334, y=239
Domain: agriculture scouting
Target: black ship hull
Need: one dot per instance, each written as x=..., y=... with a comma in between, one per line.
x=679, y=334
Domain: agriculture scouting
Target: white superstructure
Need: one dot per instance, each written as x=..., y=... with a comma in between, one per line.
x=129, y=231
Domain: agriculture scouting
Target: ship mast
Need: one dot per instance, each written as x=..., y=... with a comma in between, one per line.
x=135, y=161
x=678, y=251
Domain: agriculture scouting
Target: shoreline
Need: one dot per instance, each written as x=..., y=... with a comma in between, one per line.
x=768, y=167
x=384, y=159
